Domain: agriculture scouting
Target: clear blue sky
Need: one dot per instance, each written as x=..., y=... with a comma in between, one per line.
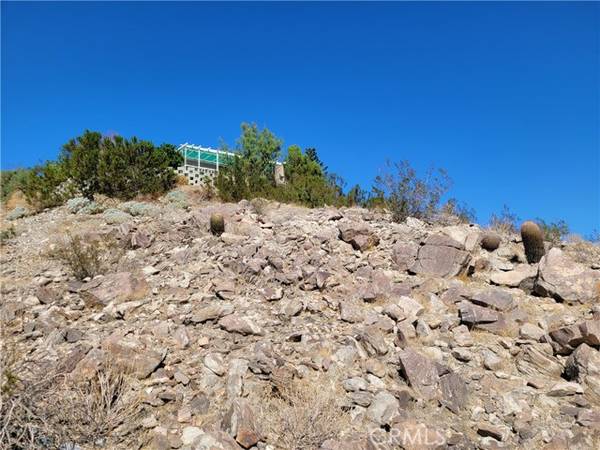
x=504, y=95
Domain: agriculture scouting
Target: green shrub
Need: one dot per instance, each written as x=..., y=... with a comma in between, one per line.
x=406, y=195
x=119, y=167
x=7, y=233
x=10, y=181
x=47, y=185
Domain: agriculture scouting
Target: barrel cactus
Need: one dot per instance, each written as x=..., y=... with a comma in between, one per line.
x=490, y=241
x=533, y=241
x=217, y=224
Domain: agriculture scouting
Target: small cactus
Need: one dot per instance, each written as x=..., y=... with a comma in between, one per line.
x=533, y=241
x=217, y=224
x=490, y=241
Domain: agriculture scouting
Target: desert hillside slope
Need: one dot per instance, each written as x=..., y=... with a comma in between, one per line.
x=296, y=328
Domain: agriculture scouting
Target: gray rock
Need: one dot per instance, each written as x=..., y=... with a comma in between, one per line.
x=454, y=392
x=420, y=372
x=212, y=312
x=566, y=339
x=235, y=377
x=405, y=254
x=17, y=213
x=133, y=354
x=236, y=324
x=411, y=308
x=351, y=312
x=590, y=331
x=355, y=384
x=372, y=340
x=384, y=407
x=215, y=362
x=530, y=331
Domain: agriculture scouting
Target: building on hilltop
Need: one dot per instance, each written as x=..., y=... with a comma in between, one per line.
x=201, y=162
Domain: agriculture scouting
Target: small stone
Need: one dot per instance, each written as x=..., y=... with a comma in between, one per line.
x=530, y=331
x=214, y=362
x=184, y=415
x=182, y=378
x=238, y=324
x=488, y=430
x=149, y=422
x=462, y=354
x=491, y=361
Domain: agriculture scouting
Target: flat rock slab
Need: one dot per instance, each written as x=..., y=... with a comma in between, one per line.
x=116, y=287
x=420, y=372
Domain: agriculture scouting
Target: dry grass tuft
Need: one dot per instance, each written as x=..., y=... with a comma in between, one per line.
x=41, y=408
x=303, y=413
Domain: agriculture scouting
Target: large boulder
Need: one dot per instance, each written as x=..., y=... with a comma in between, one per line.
x=440, y=256
x=359, y=235
x=133, y=354
x=566, y=280
x=420, y=372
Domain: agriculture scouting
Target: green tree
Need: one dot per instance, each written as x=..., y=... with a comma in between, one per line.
x=80, y=157
x=251, y=172
x=311, y=153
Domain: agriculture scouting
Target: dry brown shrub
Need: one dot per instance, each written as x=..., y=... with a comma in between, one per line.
x=582, y=251
x=87, y=256
x=181, y=180
x=259, y=207
x=303, y=413
x=97, y=407
x=42, y=408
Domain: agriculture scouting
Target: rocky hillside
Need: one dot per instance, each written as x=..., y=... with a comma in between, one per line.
x=299, y=328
